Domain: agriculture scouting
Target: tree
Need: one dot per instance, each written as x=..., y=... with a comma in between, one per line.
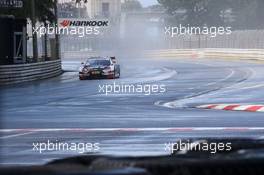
x=131, y=5
x=41, y=11
x=247, y=13
x=196, y=12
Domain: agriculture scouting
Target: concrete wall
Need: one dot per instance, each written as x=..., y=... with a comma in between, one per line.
x=11, y=74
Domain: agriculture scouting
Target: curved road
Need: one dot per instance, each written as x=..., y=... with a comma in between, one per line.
x=32, y=112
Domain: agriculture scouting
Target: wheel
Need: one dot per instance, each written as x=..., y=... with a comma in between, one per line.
x=118, y=74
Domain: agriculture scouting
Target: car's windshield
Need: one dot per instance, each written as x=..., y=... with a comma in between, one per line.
x=98, y=62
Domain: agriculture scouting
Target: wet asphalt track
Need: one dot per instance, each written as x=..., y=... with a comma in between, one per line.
x=66, y=102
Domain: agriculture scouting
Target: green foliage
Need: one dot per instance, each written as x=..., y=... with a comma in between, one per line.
x=79, y=1
x=196, y=12
x=131, y=5
x=43, y=10
x=244, y=13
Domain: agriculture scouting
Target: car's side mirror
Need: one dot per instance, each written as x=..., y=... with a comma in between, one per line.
x=82, y=63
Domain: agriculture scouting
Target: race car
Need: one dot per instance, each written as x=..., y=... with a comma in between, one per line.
x=99, y=67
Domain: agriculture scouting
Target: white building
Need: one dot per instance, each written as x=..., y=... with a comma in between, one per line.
x=104, y=8
x=107, y=9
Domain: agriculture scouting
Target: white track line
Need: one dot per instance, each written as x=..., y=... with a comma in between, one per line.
x=16, y=135
x=232, y=72
x=180, y=129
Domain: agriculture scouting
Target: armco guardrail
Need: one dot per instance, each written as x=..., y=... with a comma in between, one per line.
x=251, y=54
x=11, y=74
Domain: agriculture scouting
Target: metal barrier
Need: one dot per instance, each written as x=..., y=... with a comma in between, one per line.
x=11, y=74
